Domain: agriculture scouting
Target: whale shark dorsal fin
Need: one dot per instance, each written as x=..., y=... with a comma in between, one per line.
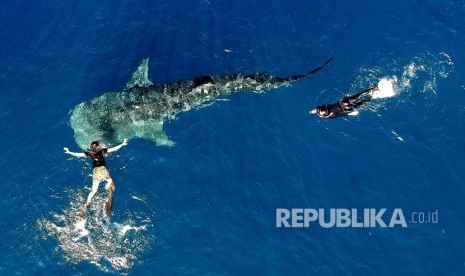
x=140, y=78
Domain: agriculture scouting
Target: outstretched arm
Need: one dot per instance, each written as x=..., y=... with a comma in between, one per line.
x=75, y=154
x=113, y=149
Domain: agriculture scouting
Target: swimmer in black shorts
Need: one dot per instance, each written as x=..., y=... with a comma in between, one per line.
x=100, y=172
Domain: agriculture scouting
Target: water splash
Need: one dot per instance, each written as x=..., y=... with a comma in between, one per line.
x=414, y=79
x=417, y=75
x=96, y=239
x=423, y=72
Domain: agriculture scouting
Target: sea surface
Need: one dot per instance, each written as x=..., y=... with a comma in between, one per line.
x=207, y=205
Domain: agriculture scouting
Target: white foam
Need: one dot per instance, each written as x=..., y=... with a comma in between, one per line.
x=397, y=136
x=80, y=226
x=386, y=89
x=95, y=239
x=354, y=113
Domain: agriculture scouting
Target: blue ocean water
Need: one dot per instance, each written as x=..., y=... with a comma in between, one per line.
x=207, y=206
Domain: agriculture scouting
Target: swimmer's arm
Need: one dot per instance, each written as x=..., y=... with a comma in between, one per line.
x=113, y=149
x=75, y=154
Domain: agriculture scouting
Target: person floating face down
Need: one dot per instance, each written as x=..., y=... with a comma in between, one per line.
x=345, y=106
x=100, y=172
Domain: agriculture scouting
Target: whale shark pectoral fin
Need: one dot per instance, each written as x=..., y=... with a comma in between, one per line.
x=161, y=139
x=153, y=131
x=140, y=78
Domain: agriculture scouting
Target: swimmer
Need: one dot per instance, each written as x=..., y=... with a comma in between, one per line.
x=100, y=172
x=345, y=106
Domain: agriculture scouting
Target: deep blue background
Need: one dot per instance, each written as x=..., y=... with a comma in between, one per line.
x=215, y=193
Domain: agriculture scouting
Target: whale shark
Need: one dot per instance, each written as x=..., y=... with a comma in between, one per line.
x=141, y=108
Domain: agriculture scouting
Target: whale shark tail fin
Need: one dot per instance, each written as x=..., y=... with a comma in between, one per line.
x=312, y=72
x=140, y=78
x=316, y=70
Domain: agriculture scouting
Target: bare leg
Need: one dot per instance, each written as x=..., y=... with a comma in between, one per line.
x=89, y=198
x=111, y=189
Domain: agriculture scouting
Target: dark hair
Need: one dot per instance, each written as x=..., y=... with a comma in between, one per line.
x=94, y=143
x=323, y=108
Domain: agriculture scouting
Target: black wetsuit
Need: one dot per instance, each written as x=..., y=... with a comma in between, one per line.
x=338, y=109
x=335, y=110
x=97, y=157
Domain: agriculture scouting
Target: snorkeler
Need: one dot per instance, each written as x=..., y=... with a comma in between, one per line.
x=386, y=88
x=345, y=106
x=100, y=172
